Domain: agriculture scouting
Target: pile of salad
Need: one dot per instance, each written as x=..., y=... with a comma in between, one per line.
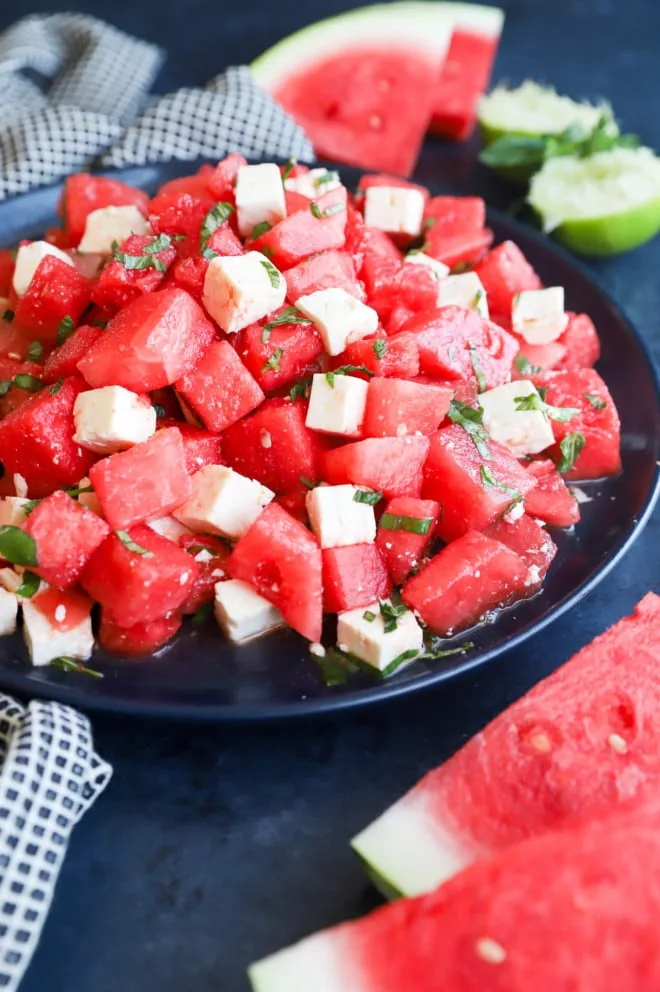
x=262, y=396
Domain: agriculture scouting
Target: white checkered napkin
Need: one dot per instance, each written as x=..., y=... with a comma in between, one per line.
x=49, y=776
x=87, y=106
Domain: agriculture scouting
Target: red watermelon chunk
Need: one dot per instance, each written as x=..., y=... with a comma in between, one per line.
x=391, y=465
x=117, y=284
x=148, y=480
x=328, y=270
x=470, y=576
x=447, y=216
x=84, y=193
x=540, y=357
x=56, y=291
x=63, y=361
x=396, y=408
x=189, y=270
x=463, y=78
x=459, y=249
x=223, y=178
x=219, y=389
x=396, y=356
x=200, y=447
x=459, y=344
x=288, y=353
x=37, y=440
x=176, y=212
x=581, y=343
x=597, y=422
x=402, y=549
x=303, y=234
x=530, y=541
x=280, y=558
x=274, y=446
x=551, y=500
x=576, y=746
x=151, y=343
x=137, y=588
x=66, y=534
x=353, y=576
x=211, y=571
x=454, y=475
x=141, y=638
x=504, y=273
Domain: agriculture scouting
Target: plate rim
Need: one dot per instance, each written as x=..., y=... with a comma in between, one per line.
x=23, y=682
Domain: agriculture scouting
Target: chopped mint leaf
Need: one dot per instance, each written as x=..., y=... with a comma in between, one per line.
x=160, y=243
x=525, y=367
x=308, y=483
x=5, y=386
x=478, y=370
x=100, y=323
x=398, y=661
x=367, y=496
x=215, y=218
x=328, y=176
x=390, y=612
x=429, y=222
x=55, y=388
x=369, y=616
x=35, y=351
x=65, y=329
x=300, y=390
x=570, y=448
x=130, y=544
x=488, y=481
x=288, y=169
x=290, y=315
x=260, y=229
x=71, y=665
x=330, y=379
x=535, y=401
x=202, y=613
x=17, y=546
x=334, y=668
x=273, y=274
x=347, y=369
x=379, y=348
x=29, y=585
x=471, y=420
x=435, y=651
x=596, y=401
x=273, y=363
x=29, y=382
x=334, y=208
x=160, y=410
x=413, y=525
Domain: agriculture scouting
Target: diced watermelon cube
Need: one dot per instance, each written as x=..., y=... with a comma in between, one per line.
x=56, y=291
x=459, y=344
x=530, y=541
x=450, y=215
x=396, y=357
x=148, y=480
x=280, y=558
x=391, y=465
x=219, y=389
x=580, y=341
x=221, y=182
x=7, y=263
x=353, y=576
x=402, y=550
x=412, y=288
x=66, y=534
x=457, y=477
x=504, y=272
x=63, y=361
x=134, y=587
x=141, y=638
x=329, y=269
x=84, y=193
x=470, y=576
x=303, y=234
x=551, y=500
x=200, y=447
x=598, y=421
x=37, y=440
x=288, y=353
x=210, y=571
x=180, y=213
x=463, y=78
x=396, y=408
x=274, y=446
x=294, y=501
x=539, y=356
x=150, y=343
x=117, y=285
x=458, y=249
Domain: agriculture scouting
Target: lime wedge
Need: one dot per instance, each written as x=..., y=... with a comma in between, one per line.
x=602, y=205
x=534, y=110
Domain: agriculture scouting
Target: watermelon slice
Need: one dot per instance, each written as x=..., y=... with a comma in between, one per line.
x=580, y=742
x=571, y=910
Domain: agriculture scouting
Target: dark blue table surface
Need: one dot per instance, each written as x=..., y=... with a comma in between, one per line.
x=212, y=847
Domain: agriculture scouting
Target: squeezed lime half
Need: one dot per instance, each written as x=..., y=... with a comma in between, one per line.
x=602, y=205
x=535, y=111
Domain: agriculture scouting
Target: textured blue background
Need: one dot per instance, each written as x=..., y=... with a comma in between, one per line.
x=212, y=847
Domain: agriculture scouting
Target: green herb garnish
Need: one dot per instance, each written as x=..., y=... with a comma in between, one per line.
x=413, y=525
x=273, y=363
x=525, y=367
x=214, y=219
x=534, y=401
x=369, y=616
x=260, y=229
x=334, y=208
x=379, y=348
x=160, y=243
x=471, y=419
x=570, y=448
x=596, y=401
x=273, y=274
x=202, y=614
x=288, y=169
x=29, y=382
x=300, y=390
x=130, y=544
x=35, y=351
x=478, y=370
x=71, y=665
x=488, y=481
x=368, y=496
x=29, y=585
x=55, y=388
x=17, y=546
x=390, y=612
x=347, y=369
x=308, y=483
x=66, y=328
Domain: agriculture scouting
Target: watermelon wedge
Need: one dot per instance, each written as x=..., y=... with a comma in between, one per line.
x=573, y=909
x=577, y=744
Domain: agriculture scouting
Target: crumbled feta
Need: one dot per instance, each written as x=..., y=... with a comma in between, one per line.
x=46, y=639
x=107, y=225
x=241, y=289
x=538, y=315
x=337, y=519
x=259, y=196
x=313, y=183
x=338, y=317
x=394, y=209
x=28, y=258
x=111, y=419
x=20, y=485
x=223, y=502
x=12, y=513
x=533, y=576
x=367, y=640
x=435, y=267
x=336, y=404
x=317, y=649
x=169, y=528
x=515, y=513
x=8, y=611
x=464, y=290
x=525, y=432
x=243, y=613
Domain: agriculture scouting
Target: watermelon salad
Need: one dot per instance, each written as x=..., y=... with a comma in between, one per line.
x=262, y=395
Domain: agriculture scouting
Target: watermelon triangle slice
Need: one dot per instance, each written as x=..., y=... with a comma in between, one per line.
x=572, y=909
x=578, y=743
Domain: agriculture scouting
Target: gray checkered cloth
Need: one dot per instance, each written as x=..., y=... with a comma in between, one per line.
x=74, y=95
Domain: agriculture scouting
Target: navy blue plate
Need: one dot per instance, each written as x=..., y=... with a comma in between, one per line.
x=203, y=677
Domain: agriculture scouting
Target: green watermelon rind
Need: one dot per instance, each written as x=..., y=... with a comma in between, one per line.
x=382, y=884
x=425, y=25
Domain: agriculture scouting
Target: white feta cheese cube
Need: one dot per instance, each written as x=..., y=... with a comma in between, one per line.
x=336, y=404
x=8, y=611
x=525, y=432
x=169, y=527
x=435, y=267
x=338, y=519
x=367, y=640
x=28, y=258
x=313, y=183
x=109, y=224
x=259, y=196
x=47, y=639
x=111, y=419
x=339, y=317
x=240, y=289
x=464, y=290
x=515, y=513
x=243, y=613
x=394, y=209
x=20, y=485
x=223, y=502
x=12, y=513
x=538, y=315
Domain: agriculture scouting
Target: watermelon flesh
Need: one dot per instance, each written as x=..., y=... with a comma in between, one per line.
x=578, y=744
x=571, y=910
x=463, y=78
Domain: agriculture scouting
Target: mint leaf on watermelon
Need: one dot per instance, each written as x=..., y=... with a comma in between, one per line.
x=596, y=402
x=35, y=351
x=379, y=348
x=29, y=585
x=476, y=366
x=489, y=481
x=525, y=367
x=335, y=208
x=65, y=329
x=131, y=545
x=471, y=420
x=71, y=665
x=288, y=169
x=390, y=612
x=534, y=401
x=571, y=447
x=273, y=274
x=260, y=229
x=29, y=382
x=413, y=525
x=369, y=496
x=17, y=547
x=215, y=218
x=273, y=363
